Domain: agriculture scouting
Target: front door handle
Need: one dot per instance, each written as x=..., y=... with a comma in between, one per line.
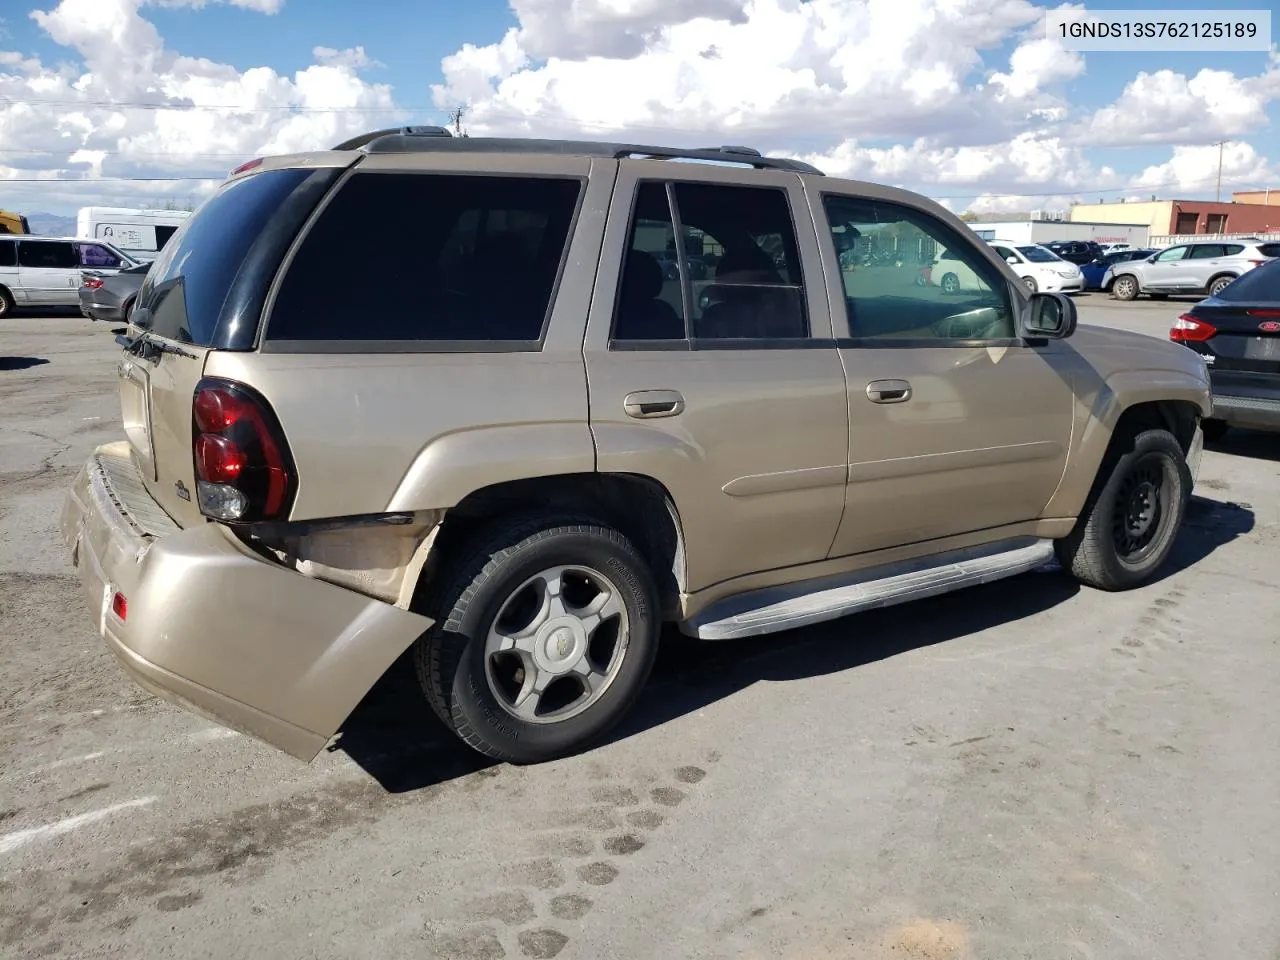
x=888, y=391
x=648, y=404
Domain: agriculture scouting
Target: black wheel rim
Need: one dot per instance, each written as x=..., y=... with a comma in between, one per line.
x=1141, y=510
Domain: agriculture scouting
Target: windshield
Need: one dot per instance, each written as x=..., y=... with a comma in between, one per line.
x=184, y=291
x=1037, y=254
x=1259, y=285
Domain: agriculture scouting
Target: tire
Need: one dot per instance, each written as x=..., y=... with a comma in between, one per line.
x=950, y=283
x=1031, y=284
x=1125, y=287
x=1152, y=464
x=1217, y=284
x=128, y=310
x=474, y=687
x=6, y=302
x=1214, y=430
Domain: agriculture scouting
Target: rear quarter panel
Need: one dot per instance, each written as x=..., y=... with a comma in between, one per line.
x=373, y=429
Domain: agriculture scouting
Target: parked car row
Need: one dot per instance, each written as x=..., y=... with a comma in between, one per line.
x=49, y=271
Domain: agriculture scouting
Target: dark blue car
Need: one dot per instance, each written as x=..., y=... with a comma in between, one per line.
x=1096, y=270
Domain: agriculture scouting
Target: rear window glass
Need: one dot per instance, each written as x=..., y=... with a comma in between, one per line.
x=184, y=291
x=452, y=258
x=8, y=255
x=1269, y=249
x=1232, y=249
x=1259, y=285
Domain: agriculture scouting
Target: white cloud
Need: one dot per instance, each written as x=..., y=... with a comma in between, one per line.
x=131, y=107
x=1194, y=169
x=260, y=6
x=783, y=71
x=1168, y=107
x=353, y=58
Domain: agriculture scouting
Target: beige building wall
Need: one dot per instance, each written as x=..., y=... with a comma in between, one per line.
x=1270, y=198
x=1157, y=214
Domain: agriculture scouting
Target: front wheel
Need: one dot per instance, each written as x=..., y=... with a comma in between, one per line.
x=544, y=638
x=1031, y=284
x=1125, y=288
x=6, y=303
x=1130, y=522
x=950, y=283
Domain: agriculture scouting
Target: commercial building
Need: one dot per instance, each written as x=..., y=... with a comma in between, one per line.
x=1047, y=231
x=1166, y=218
x=1267, y=198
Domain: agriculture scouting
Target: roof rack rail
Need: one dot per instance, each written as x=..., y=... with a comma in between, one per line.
x=355, y=143
x=410, y=140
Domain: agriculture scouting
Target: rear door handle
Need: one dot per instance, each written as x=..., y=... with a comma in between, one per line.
x=649, y=404
x=888, y=391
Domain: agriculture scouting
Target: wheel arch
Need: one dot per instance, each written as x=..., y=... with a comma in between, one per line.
x=637, y=506
x=1218, y=276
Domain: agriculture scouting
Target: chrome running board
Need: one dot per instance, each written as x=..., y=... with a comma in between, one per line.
x=814, y=601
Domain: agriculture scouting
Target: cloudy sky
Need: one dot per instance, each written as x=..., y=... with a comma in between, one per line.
x=135, y=101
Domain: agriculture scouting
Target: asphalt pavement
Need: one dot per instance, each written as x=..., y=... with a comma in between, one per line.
x=1025, y=770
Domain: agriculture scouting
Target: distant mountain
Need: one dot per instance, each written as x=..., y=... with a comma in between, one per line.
x=51, y=225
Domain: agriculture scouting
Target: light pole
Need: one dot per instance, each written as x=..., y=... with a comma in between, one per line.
x=1217, y=195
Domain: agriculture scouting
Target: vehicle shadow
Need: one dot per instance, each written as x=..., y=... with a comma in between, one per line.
x=395, y=738
x=1255, y=444
x=21, y=363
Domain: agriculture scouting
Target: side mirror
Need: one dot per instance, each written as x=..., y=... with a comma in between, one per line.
x=1052, y=315
x=1011, y=260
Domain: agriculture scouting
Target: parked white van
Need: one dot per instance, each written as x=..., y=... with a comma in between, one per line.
x=1040, y=268
x=140, y=233
x=45, y=271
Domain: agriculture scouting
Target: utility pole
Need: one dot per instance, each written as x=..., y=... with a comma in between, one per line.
x=456, y=119
x=1217, y=196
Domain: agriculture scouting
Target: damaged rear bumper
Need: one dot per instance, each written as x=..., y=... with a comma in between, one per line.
x=212, y=626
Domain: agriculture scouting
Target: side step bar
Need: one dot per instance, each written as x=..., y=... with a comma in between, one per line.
x=800, y=604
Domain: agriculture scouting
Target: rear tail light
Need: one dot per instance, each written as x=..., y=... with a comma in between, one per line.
x=1257, y=263
x=93, y=283
x=1189, y=329
x=120, y=606
x=242, y=463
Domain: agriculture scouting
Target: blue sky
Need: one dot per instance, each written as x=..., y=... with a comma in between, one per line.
x=970, y=107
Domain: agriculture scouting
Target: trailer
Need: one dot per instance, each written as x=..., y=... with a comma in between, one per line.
x=140, y=233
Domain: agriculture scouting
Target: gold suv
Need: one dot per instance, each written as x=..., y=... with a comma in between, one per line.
x=515, y=404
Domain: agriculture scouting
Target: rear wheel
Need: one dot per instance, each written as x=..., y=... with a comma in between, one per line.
x=545, y=635
x=1125, y=288
x=1218, y=284
x=950, y=283
x=1130, y=522
x=6, y=302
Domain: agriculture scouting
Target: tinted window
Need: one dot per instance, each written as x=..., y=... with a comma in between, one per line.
x=447, y=258
x=743, y=264
x=1232, y=249
x=95, y=255
x=8, y=255
x=1259, y=285
x=1269, y=249
x=1006, y=253
x=934, y=286
x=1037, y=254
x=183, y=293
x=1207, y=251
x=47, y=253
x=163, y=234
x=740, y=278
x=650, y=301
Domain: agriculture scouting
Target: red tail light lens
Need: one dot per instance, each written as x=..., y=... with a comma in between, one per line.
x=93, y=283
x=1189, y=329
x=248, y=165
x=242, y=464
x=120, y=606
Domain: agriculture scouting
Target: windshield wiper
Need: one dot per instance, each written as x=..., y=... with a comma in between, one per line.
x=144, y=345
